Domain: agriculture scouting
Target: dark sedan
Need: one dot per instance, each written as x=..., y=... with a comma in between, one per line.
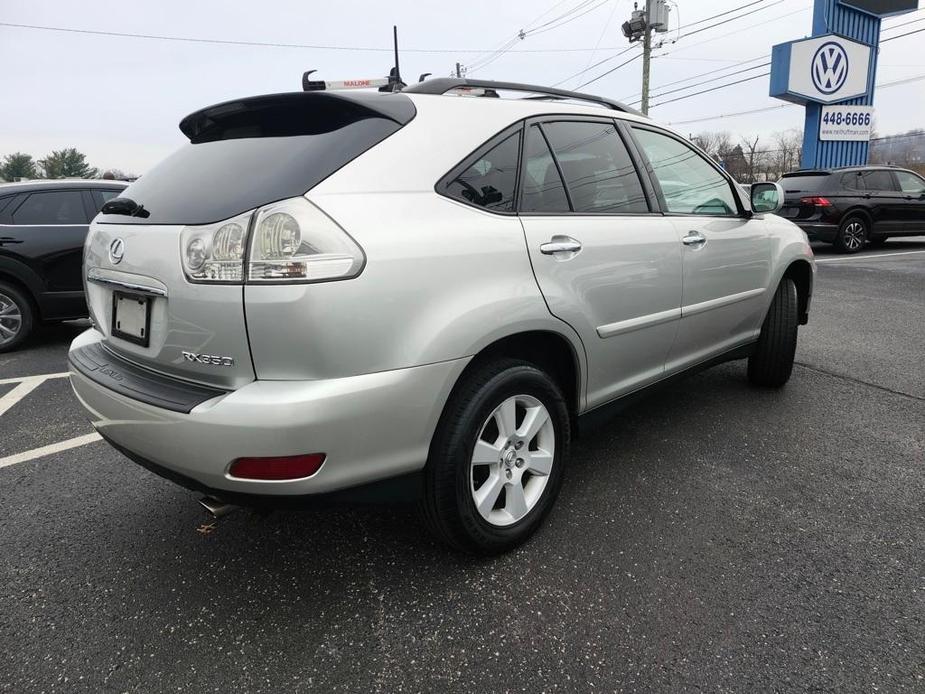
x=43, y=225
x=849, y=207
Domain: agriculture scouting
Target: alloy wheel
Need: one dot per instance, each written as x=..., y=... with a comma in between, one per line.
x=512, y=459
x=10, y=319
x=853, y=235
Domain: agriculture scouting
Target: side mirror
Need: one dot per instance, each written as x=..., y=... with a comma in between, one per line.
x=767, y=197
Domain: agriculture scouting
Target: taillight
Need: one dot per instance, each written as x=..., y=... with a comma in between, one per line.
x=816, y=200
x=289, y=467
x=288, y=241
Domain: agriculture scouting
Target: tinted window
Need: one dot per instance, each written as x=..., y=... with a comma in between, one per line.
x=490, y=181
x=805, y=183
x=543, y=189
x=878, y=180
x=689, y=183
x=57, y=207
x=852, y=181
x=212, y=181
x=598, y=171
x=908, y=183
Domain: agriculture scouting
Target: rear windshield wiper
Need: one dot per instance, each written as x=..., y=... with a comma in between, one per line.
x=124, y=206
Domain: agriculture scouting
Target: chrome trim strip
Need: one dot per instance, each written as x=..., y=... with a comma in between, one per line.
x=142, y=288
x=703, y=306
x=627, y=326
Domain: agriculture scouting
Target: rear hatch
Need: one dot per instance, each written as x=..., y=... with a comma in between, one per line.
x=800, y=188
x=243, y=155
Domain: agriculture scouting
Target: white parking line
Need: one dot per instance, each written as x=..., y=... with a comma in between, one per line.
x=37, y=377
x=869, y=256
x=48, y=450
x=26, y=385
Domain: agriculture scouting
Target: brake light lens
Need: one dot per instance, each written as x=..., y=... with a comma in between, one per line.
x=289, y=467
x=816, y=200
x=294, y=241
x=288, y=241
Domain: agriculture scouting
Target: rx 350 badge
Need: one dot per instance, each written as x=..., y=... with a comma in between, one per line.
x=208, y=359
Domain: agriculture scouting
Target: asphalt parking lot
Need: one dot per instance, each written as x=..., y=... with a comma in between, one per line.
x=715, y=537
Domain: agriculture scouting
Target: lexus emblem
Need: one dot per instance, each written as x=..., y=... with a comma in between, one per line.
x=830, y=67
x=116, y=251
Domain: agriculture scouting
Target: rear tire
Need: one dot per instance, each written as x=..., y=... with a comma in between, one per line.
x=772, y=361
x=16, y=317
x=852, y=234
x=490, y=479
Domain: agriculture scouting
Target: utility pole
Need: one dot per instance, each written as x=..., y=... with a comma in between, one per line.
x=458, y=70
x=639, y=28
x=646, y=56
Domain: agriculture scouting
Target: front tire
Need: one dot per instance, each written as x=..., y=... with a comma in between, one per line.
x=852, y=235
x=496, y=462
x=16, y=317
x=772, y=361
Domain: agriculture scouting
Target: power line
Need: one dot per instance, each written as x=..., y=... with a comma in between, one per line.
x=613, y=69
x=599, y=62
x=721, y=14
x=271, y=44
x=712, y=89
x=730, y=84
x=613, y=11
x=714, y=79
x=883, y=85
x=702, y=74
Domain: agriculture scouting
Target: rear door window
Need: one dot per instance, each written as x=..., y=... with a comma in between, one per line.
x=599, y=174
x=852, y=181
x=491, y=180
x=689, y=183
x=543, y=188
x=52, y=208
x=878, y=180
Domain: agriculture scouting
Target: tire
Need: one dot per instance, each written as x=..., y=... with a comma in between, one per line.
x=878, y=241
x=852, y=234
x=16, y=317
x=771, y=363
x=474, y=414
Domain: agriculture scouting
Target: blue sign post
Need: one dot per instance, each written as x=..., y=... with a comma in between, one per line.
x=833, y=74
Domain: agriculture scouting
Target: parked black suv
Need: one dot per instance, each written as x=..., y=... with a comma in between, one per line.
x=43, y=225
x=853, y=205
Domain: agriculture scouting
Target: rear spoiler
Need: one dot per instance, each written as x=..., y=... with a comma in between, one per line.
x=292, y=113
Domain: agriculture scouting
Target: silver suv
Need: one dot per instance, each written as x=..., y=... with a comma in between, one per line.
x=329, y=291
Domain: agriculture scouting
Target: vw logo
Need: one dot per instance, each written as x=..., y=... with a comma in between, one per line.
x=116, y=251
x=830, y=67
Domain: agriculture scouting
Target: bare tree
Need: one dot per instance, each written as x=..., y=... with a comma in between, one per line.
x=752, y=156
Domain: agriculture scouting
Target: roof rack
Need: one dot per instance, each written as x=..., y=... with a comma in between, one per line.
x=442, y=85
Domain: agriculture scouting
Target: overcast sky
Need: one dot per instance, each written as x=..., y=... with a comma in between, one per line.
x=120, y=99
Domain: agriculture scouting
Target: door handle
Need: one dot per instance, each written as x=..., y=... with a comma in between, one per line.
x=560, y=244
x=8, y=239
x=694, y=239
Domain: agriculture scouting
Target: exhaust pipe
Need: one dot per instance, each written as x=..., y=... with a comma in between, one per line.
x=217, y=507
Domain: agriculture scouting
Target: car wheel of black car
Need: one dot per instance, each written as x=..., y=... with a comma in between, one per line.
x=878, y=241
x=772, y=361
x=16, y=317
x=852, y=235
x=496, y=462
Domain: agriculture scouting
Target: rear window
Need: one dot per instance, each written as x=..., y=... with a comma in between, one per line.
x=805, y=183
x=250, y=153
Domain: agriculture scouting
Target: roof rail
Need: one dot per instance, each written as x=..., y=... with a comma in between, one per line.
x=441, y=85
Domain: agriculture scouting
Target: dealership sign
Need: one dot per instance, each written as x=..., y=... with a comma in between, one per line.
x=824, y=69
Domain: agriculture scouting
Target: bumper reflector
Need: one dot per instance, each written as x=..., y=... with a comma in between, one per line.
x=288, y=467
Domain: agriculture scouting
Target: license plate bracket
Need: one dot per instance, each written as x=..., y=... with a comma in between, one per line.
x=131, y=317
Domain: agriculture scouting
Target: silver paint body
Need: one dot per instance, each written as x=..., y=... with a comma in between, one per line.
x=361, y=369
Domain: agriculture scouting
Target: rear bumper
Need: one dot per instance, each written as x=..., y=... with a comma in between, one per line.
x=818, y=231
x=371, y=427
